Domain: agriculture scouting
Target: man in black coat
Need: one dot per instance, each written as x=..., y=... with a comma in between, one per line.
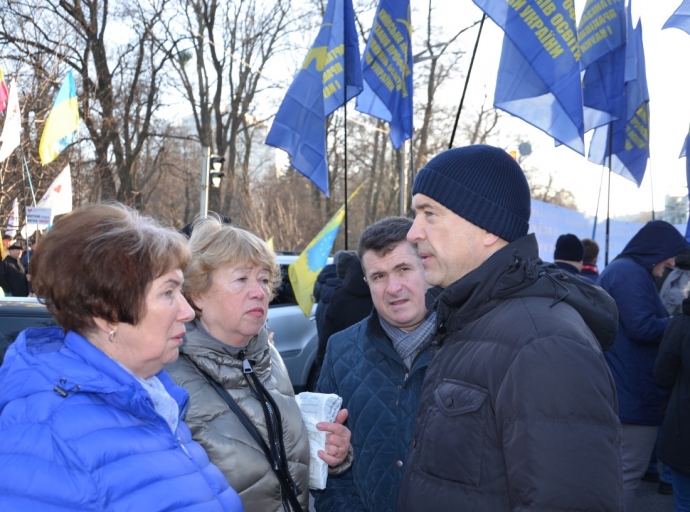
x=13, y=274
x=518, y=408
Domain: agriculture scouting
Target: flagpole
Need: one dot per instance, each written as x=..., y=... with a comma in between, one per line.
x=467, y=81
x=608, y=202
x=28, y=175
x=651, y=185
x=403, y=184
x=596, y=214
x=345, y=156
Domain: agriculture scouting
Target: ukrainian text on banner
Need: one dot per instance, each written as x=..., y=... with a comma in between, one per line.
x=330, y=75
x=602, y=35
x=539, y=74
x=680, y=18
x=387, y=70
x=630, y=135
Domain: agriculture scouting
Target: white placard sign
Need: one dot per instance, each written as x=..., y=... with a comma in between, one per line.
x=40, y=216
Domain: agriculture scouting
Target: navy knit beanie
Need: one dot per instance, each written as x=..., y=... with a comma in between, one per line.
x=569, y=248
x=482, y=184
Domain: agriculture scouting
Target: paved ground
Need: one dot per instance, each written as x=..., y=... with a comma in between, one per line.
x=646, y=500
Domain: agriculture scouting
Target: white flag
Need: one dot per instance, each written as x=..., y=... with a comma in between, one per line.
x=58, y=197
x=13, y=124
x=13, y=220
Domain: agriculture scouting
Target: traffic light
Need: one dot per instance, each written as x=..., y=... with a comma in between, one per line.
x=215, y=170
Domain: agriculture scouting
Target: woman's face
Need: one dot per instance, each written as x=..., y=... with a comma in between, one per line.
x=234, y=308
x=155, y=341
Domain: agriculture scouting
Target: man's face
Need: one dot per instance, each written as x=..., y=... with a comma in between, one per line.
x=16, y=253
x=397, y=285
x=450, y=246
x=658, y=270
x=6, y=242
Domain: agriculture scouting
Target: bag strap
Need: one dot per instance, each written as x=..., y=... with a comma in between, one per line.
x=251, y=428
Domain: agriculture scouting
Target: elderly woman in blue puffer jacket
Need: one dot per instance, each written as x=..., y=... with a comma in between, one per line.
x=88, y=418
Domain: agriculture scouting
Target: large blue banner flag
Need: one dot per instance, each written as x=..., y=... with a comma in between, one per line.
x=630, y=135
x=387, y=70
x=603, y=34
x=330, y=75
x=680, y=18
x=684, y=153
x=539, y=74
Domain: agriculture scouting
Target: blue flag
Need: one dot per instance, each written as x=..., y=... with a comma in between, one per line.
x=680, y=18
x=683, y=153
x=603, y=34
x=387, y=70
x=630, y=135
x=330, y=75
x=539, y=74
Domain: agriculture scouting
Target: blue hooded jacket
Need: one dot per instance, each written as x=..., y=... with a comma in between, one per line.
x=78, y=432
x=642, y=320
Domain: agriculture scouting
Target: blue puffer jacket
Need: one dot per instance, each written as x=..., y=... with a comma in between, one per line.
x=363, y=368
x=77, y=432
x=641, y=322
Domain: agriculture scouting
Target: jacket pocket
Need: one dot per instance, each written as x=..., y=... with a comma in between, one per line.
x=454, y=433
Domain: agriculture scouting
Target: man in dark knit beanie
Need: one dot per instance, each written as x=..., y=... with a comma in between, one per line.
x=518, y=408
x=568, y=255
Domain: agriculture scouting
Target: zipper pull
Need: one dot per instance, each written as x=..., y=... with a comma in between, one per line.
x=183, y=448
x=247, y=367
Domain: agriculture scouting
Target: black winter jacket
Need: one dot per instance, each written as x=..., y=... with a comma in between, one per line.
x=672, y=370
x=518, y=409
x=349, y=304
x=13, y=277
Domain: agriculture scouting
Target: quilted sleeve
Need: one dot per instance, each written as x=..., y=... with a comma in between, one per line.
x=40, y=472
x=339, y=496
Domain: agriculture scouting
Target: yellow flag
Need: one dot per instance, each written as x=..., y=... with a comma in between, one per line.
x=61, y=126
x=304, y=271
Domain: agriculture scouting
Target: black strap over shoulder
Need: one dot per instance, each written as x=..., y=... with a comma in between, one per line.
x=288, y=488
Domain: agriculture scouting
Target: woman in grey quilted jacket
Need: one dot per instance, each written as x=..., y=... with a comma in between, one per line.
x=229, y=282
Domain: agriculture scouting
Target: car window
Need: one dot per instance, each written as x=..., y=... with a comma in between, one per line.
x=11, y=326
x=284, y=294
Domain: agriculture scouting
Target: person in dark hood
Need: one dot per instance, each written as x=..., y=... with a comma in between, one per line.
x=518, y=407
x=350, y=304
x=630, y=280
x=342, y=261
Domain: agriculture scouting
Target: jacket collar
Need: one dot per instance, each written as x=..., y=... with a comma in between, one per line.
x=378, y=337
x=511, y=268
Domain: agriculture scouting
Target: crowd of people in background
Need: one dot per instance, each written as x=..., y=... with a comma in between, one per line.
x=474, y=376
x=15, y=280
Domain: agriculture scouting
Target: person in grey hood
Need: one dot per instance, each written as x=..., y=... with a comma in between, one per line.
x=518, y=408
x=227, y=357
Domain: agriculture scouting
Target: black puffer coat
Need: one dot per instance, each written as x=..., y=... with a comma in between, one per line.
x=672, y=370
x=518, y=409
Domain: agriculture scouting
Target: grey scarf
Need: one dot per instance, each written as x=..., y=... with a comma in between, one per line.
x=409, y=344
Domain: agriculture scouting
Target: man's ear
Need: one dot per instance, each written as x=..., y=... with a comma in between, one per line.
x=490, y=240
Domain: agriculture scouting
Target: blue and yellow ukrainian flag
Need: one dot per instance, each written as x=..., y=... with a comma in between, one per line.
x=61, y=126
x=304, y=271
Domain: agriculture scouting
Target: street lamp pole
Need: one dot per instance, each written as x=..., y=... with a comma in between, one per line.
x=203, y=213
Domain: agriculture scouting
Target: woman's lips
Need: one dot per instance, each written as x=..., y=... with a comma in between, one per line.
x=256, y=312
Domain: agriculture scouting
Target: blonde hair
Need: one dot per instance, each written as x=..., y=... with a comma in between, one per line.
x=215, y=245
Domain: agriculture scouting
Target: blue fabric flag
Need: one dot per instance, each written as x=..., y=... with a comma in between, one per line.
x=630, y=135
x=683, y=153
x=387, y=70
x=680, y=18
x=539, y=74
x=331, y=74
x=602, y=34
